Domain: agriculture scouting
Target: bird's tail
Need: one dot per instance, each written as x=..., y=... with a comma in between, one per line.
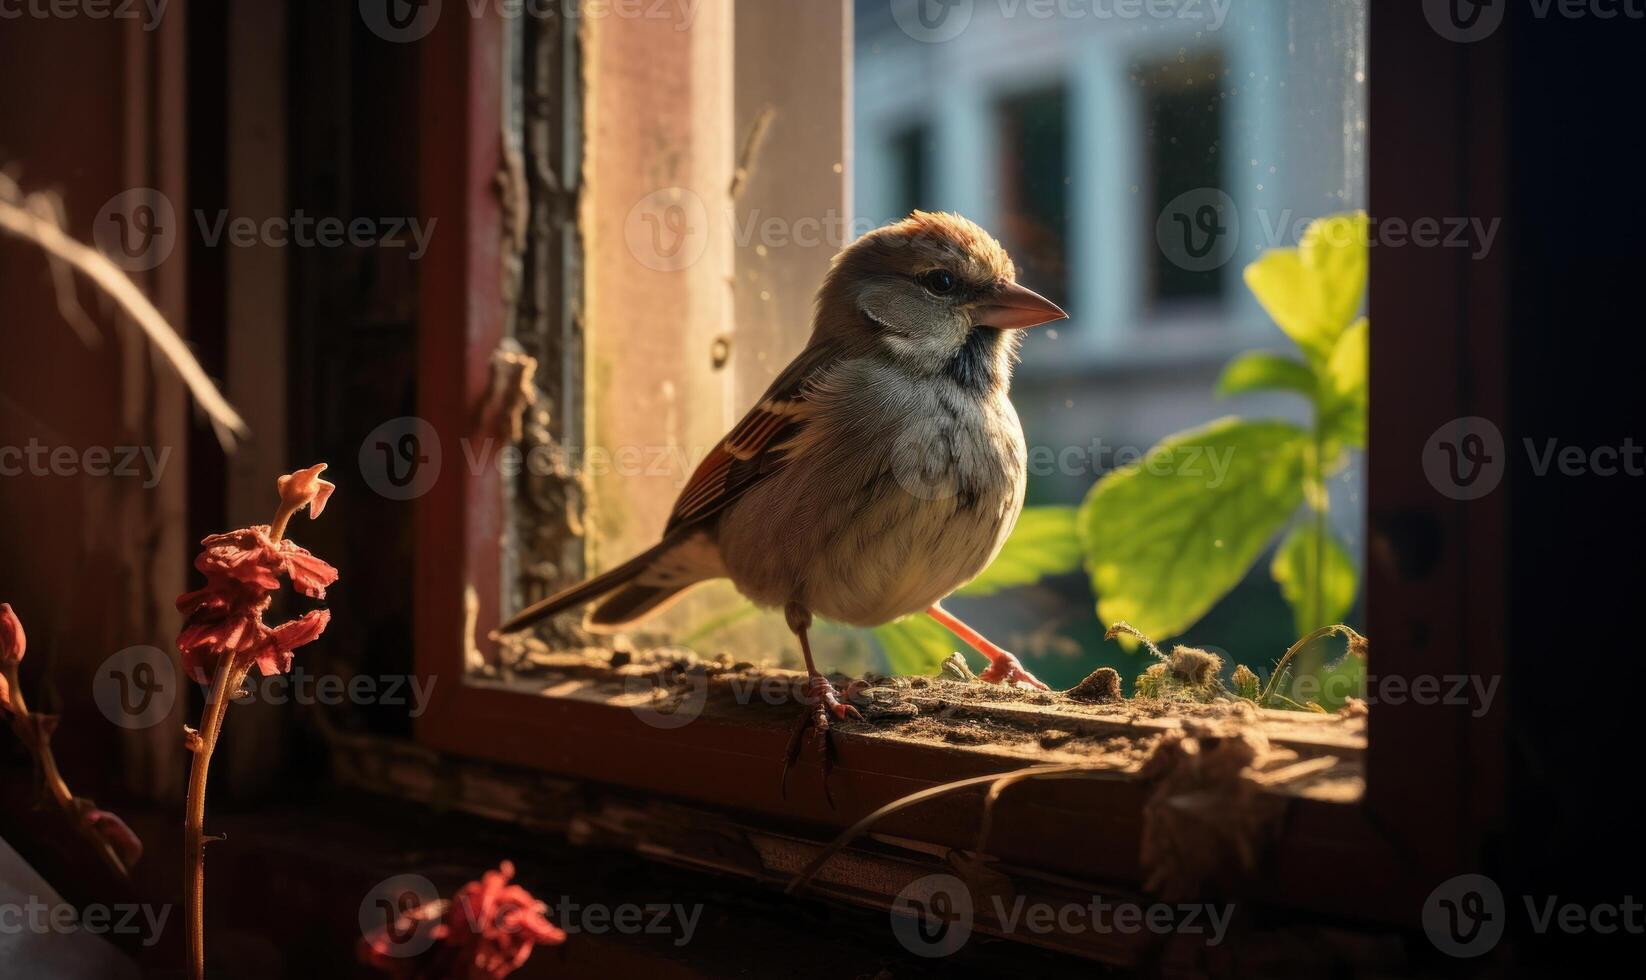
x=637, y=588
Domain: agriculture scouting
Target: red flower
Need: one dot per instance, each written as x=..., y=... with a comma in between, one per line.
x=305, y=489
x=13, y=642
x=116, y=834
x=495, y=925
x=242, y=570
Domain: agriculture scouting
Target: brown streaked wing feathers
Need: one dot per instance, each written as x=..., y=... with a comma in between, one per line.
x=756, y=446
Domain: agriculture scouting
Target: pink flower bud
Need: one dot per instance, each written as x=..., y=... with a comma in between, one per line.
x=13, y=642
x=117, y=835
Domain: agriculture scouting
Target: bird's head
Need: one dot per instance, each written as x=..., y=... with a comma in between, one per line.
x=936, y=293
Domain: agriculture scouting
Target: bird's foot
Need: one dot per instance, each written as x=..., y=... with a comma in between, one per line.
x=821, y=694
x=1004, y=669
x=822, y=701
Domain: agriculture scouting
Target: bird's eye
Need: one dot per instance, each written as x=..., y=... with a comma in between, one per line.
x=939, y=281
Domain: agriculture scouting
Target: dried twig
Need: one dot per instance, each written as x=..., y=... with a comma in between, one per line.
x=857, y=829
x=35, y=219
x=1357, y=646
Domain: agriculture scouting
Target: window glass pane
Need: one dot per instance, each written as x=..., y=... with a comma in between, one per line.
x=1135, y=159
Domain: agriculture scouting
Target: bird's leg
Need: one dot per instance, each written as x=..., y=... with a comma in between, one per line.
x=823, y=701
x=819, y=691
x=1003, y=667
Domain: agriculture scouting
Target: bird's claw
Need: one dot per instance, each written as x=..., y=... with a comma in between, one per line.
x=823, y=701
x=822, y=695
x=817, y=720
x=1006, y=670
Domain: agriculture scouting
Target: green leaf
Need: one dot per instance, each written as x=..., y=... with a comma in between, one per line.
x=1344, y=395
x=1169, y=535
x=1293, y=568
x=1334, y=250
x=1313, y=291
x=1340, y=681
x=1262, y=371
x=1043, y=543
x=914, y=645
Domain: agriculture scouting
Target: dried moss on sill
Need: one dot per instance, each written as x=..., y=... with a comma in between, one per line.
x=1018, y=723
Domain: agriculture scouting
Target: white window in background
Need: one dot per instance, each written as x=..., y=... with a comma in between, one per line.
x=1033, y=169
x=1287, y=103
x=1183, y=102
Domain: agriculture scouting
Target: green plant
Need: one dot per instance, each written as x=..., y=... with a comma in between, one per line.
x=1168, y=536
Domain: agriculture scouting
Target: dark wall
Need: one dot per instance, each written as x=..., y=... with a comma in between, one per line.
x=1578, y=353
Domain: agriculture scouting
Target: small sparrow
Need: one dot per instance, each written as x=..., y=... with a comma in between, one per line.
x=882, y=470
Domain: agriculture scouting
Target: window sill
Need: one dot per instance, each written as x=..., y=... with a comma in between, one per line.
x=705, y=792
x=1011, y=727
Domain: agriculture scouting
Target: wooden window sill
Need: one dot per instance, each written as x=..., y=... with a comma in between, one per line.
x=1316, y=756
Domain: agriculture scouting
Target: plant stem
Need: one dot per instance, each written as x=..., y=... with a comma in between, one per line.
x=30, y=732
x=1317, y=577
x=231, y=671
x=1052, y=770
x=282, y=517
x=1285, y=661
x=228, y=677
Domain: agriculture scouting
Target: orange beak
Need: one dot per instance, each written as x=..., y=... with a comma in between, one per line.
x=1014, y=307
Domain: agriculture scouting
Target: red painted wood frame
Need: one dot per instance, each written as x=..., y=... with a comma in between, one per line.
x=1434, y=586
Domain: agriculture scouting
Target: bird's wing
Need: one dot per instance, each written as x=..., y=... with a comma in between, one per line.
x=758, y=445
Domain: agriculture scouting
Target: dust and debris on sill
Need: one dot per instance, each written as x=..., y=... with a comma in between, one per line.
x=1312, y=755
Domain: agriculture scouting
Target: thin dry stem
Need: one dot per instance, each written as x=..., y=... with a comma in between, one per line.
x=31, y=221
x=986, y=825
x=34, y=736
x=231, y=671
x=1285, y=661
x=1128, y=629
x=227, y=678
x=857, y=829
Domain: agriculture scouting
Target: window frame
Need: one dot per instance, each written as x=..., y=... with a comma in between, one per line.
x=1434, y=580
